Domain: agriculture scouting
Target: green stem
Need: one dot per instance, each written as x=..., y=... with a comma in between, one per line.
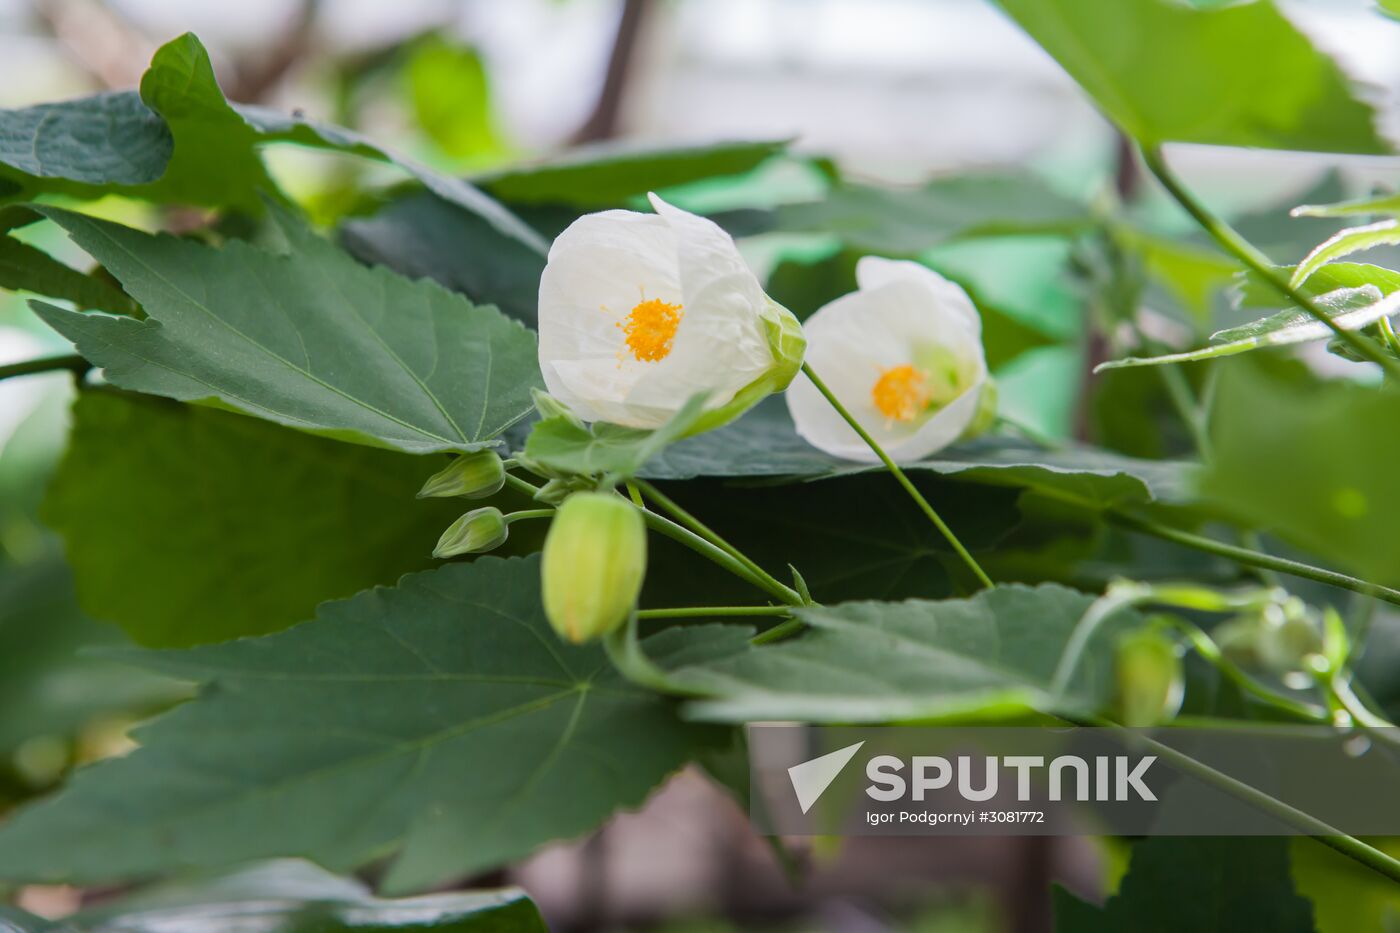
x=702, y=612
x=1206, y=647
x=1254, y=558
x=785, y=593
x=1388, y=333
x=529, y=513
x=1350, y=846
x=898, y=474
x=1248, y=254
x=46, y=364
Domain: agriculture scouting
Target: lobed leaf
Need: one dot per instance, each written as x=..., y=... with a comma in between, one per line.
x=310, y=339
x=993, y=655
x=440, y=722
x=1236, y=74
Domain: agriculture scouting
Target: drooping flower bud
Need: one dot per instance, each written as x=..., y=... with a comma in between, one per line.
x=471, y=476
x=1149, y=678
x=477, y=531
x=595, y=558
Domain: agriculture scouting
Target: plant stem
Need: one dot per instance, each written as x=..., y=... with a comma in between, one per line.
x=685, y=536
x=46, y=364
x=899, y=475
x=1254, y=558
x=700, y=612
x=1206, y=647
x=1248, y=254
x=1350, y=846
x=786, y=593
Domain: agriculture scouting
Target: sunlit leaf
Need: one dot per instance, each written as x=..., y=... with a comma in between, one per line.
x=1352, y=240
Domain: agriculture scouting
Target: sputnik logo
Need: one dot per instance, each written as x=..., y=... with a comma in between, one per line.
x=810, y=779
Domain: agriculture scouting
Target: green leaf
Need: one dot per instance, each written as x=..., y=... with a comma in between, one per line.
x=1254, y=291
x=607, y=176
x=440, y=722
x=1386, y=204
x=1193, y=275
x=326, y=345
x=763, y=443
x=187, y=525
x=567, y=445
x=989, y=656
x=292, y=896
x=47, y=688
x=1349, y=308
x=905, y=222
x=1237, y=74
x=25, y=268
x=1177, y=883
x=451, y=97
x=1311, y=461
x=181, y=141
x=14, y=920
x=420, y=235
x=1344, y=243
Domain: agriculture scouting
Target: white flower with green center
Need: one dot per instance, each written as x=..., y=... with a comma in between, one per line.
x=904, y=355
x=639, y=313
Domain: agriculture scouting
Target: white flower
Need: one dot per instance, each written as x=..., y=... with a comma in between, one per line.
x=903, y=353
x=640, y=312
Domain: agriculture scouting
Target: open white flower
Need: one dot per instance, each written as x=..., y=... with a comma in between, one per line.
x=903, y=353
x=640, y=312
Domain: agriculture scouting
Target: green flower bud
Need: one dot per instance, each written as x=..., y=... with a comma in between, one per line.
x=595, y=558
x=1149, y=678
x=477, y=531
x=472, y=476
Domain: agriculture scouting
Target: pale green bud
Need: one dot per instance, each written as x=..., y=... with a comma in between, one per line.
x=471, y=476
x=595, y=558
x=477, y=531
x=1149, y=678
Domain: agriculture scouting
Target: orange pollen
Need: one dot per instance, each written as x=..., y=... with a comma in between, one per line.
x=901, y=393
x=651, y=329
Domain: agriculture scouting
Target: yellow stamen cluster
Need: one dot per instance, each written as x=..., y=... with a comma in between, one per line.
x=901, y=393
x=650, y=329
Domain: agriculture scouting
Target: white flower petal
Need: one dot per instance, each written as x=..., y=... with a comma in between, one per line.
x=896, y=318
x=875, y=271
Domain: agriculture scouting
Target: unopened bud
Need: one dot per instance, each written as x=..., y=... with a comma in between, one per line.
x=1149, y=678
x=477, y=531
x=472, y=476
x=595, y=558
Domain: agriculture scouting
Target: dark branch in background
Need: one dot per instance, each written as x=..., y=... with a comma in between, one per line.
x=97, y=40
x=254, y=80
x=602, y=123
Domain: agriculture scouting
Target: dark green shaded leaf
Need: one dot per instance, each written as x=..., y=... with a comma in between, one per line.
x=107, y=139
x=326, y=345
x=188, y=525
x=441, y=721
x=1177, y=883
x=25, y=268
x=1310, y=460
x=289, y=896
x=992, y=655
x=47, y=687
x=763, y=443
x=1232, y=75
x=606, y=176
x=420, y=235
x=907, y=222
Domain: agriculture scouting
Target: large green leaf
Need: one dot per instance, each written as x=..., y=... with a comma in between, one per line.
x=181, y=141
x=291, y=896
x=1236, y=74
x=25, y=268
x=441, y=722
x=994, y=654
x=1348, y=308
x=1311, y=460
x=1177, y=883
x=47, y=687
x=187, y=525
x=310, y=339
x=905, y=222
x=606, y=176
x=763, y=443
x=1254, y=291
